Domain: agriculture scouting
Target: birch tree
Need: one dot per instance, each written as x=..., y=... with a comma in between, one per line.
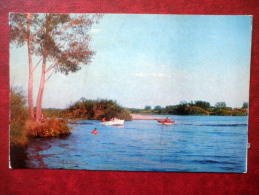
x=62, y=43
x=20, y=34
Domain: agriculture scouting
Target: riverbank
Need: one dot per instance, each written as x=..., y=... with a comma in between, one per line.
x=47, y=128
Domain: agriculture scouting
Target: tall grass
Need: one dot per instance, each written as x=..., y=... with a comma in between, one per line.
x=47, y=128
x=21, y=128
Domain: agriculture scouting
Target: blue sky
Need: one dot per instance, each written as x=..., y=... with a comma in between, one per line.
x=155, y=60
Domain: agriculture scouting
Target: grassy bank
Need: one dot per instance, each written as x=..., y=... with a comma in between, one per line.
x=22, y=128
x=18, y=138
x=47, y=128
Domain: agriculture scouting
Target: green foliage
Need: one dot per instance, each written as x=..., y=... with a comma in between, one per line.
x=135, y=110
x=21, y=128
x=147, y=108
x=19, y=115
x=182, y=109
x=62, y=41
x=188, y=110
x=245, y=105
x=97, y=109
x=62, y=38
x=169, y=110
x=239, y=112
x=202, y=104
x=220, y=105
x=195, y=108
x=157, y=109
x=222, y=112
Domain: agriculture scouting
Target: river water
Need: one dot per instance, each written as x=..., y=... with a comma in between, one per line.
x=192, y=144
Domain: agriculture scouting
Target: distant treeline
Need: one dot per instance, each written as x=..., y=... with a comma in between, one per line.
x=98, y=109
x=194, y=108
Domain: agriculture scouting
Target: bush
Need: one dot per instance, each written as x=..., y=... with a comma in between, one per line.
x=19, y=114
x=97, y=109
x=222, y=112
x=195, y=110
x=47, y=128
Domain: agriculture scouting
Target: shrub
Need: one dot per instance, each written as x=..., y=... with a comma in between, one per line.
x=97, y=109
x=19, y=114
x=47, y=128
x=195, y=110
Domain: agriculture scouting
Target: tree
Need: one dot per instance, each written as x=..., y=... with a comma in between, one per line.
x=245, y=105
x=60, y=40
x=220, y=105
x=202, y=104
x=20, y=33
x=147, y=108
x=158, y=109
x=182, y=109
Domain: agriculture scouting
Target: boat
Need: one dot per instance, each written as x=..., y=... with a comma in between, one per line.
x=166, y=121
x=113, y=122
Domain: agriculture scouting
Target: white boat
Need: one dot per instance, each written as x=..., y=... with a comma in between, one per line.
x=115, y=122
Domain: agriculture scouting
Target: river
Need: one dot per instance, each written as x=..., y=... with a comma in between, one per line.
x=192, y=144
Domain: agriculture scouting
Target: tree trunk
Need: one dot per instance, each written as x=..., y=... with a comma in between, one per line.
x=41, y=88
x=30, y=82
x=43, y=72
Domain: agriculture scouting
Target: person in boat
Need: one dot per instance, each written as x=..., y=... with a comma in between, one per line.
x=167, y=119
x=103, y=119
x=95, y=131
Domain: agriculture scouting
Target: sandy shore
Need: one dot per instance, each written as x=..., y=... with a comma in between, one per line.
x=143, y=117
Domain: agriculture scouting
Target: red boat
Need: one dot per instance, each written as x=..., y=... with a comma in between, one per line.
x=166, y=121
